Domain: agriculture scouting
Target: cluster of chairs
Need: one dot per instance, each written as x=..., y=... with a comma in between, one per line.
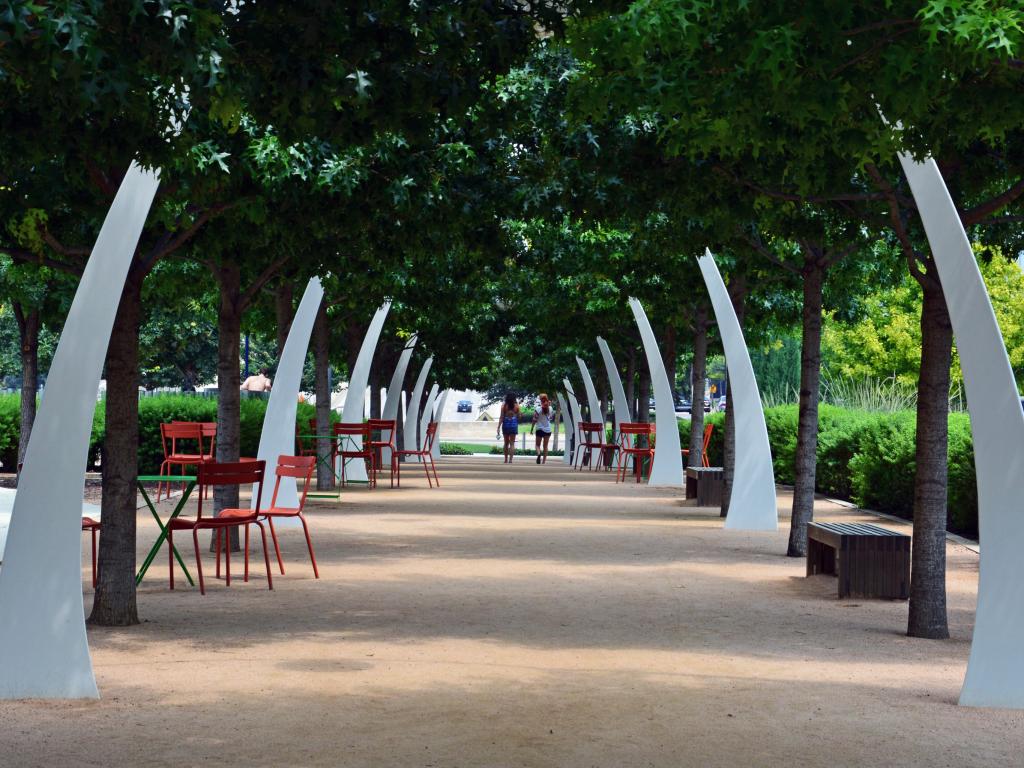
x=634, y=444
x=368, y=441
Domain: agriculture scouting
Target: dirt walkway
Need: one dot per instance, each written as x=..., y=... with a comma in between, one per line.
x=523, y=616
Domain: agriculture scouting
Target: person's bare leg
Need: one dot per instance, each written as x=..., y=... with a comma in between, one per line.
x=545, y=459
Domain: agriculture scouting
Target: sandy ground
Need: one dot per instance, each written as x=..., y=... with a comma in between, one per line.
x=523, y=616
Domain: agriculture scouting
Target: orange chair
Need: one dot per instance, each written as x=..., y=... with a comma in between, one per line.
x=635, y=440
x=591, y=438
x=300, y=444
x=425, y=455
x=173, y=435
x=708, y=429
x=93, y=526
x=380, y=428
x=299, y=467
x=350, y=430
x=213, y=473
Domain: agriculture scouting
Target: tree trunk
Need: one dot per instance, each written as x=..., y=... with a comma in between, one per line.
x=631, y=382
x=376, y=380
x=229, y=334
x=114, y=604
x=698, y=376
x=738, y=294
x=321, y=361
x=807, y=427
x=28, y=333
x=928, y=558
x=283, y=309
x=668, y=356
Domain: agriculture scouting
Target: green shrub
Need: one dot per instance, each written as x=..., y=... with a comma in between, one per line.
x=883, y=467
x=498, y=450
x=10, y=424
x=454, y=449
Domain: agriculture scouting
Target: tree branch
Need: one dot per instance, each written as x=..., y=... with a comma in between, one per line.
x=262, y=280
x=979, y=212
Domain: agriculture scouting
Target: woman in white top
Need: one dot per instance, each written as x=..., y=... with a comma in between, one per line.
x=543, y=420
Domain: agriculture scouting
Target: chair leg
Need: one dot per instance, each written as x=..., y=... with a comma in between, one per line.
x=393, y=464
x=433, y=466
x=93, y=531
x=309, y=545
x=277, y=547
x=246, y=578
x=266, y=555
x=217, y=535
x=199, y=561
x=398, y=473
x=159, y=485
x=227, y=557
x=426, y=469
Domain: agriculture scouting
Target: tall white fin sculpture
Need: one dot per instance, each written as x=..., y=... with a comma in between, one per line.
x=44, y=651
x=667, y=467
x=438, y=416
x=995, y=669
x=391, y=401
x=752, y=506
x=575, y=413
x=570, y=431
x=622, y=413
x=355, y=400
x=278, y=435
x=427, y=415
x=593, y=403
x=410, y=436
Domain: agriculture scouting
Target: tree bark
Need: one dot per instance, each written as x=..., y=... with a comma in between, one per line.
x=28, y=333
x=376, y=380
x=229, y=334
x=321, y=361
x=284, y=311
x=738, y=294
x=928, y=576
x=643, y=408
x=698, y=375
x=807, y=427
x=668, y=356
x=631, y=381
x=114, y=604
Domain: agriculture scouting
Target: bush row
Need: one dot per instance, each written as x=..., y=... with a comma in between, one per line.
x=866, y=457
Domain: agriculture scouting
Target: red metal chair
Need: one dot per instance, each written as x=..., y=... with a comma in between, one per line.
x=301, y=445
x=93, y=526
x=591, y=438
x=173, y=435
x=213, y=474
x=708, y=429
x=425, y=455
x=380, y=428
x=299, y=467
x=635, y=440
x=345, y=447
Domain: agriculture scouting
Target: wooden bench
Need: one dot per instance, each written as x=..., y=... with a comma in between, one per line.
x=705, y=484
x=870, y=561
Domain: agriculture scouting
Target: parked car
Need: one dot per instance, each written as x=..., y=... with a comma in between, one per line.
x=464, y=406
x=721, y=403
x=683, y=405
x=707, y=405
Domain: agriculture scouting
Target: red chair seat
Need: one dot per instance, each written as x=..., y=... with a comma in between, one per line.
x=281, y=512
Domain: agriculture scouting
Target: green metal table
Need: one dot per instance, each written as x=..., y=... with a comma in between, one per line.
x=190, y=484
x=325, y=461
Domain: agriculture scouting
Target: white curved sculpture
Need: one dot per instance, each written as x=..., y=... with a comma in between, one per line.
x=410, y=435
x=667, y=467
x=428, y=413
x=563, y=410
x=355, y=399
x=575, y=413
x=44, y=652
x=593, y=403
x=391, y=400
x=995, y=669
x=622, y=412
x=752, y=506
x=438, y=415
x=277, y=437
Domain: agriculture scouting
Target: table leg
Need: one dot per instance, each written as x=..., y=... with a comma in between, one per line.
x=163, y=533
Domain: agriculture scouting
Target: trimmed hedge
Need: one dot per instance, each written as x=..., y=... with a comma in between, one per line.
x=866, y=457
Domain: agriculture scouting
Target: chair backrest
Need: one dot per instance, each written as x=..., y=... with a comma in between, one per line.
x=631, y=433
x=206, y=429
x=171, y=433
x=214, y=473
x=297, y=467
x=590, y=427
x=708, y=429
x=352, y=428
x=428, y=441
x=384, y=425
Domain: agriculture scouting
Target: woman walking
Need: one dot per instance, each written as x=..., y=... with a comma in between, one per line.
x=510, y=425
x=542, y=421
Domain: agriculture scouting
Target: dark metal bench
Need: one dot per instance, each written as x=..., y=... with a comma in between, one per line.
x=705, y=484
x=870, y=561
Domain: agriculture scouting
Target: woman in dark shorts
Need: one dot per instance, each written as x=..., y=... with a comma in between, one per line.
x=509, y=422
x=543, y=419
